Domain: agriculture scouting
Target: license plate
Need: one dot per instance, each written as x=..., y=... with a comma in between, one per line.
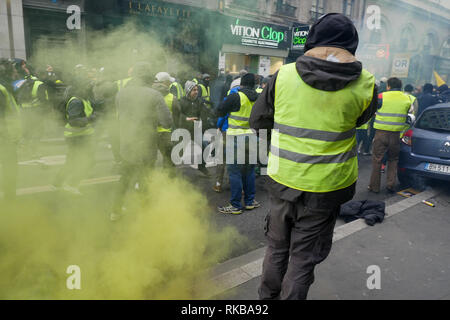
x=437, y=168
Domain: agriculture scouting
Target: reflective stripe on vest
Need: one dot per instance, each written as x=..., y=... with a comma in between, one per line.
x=69, y=131
x=238, y=122
x=393, y=113
x=34, y=97
x=169, y=102
x=313, y=145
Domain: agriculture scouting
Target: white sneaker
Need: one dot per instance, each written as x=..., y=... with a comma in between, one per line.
x=72, y=190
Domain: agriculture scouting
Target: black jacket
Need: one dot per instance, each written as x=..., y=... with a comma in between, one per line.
x=233, y=101
x=369, y=210
x=323, y=75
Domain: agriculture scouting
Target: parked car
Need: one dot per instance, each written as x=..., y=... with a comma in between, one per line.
x=425, y=148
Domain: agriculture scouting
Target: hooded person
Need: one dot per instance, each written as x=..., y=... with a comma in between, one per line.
x=242, y=176
x=427, y=98
x=141, y=110
x=315, y=106
x=444, y=93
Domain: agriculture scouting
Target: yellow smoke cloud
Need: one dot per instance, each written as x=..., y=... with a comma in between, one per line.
x=159, y=250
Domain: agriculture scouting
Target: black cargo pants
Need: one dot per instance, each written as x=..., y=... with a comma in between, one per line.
x=299, y=235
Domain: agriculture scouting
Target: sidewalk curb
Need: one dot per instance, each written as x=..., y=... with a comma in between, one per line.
x=239, y=270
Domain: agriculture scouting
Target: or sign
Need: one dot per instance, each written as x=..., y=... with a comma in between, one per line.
x=299, y=37
x=251, y=33
x=400, y=65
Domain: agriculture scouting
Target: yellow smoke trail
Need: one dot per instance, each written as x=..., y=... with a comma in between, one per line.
x=159, y=250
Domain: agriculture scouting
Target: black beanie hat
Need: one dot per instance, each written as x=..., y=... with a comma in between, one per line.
x=333, y=30
x=248, y=80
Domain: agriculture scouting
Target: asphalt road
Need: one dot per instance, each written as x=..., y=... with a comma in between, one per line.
x=35, y=173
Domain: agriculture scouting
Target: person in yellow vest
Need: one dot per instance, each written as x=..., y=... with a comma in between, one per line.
x=313, y=107
x=176, y=88
x=242, y=175
x=79, y=135
x=10, y=131
x=33, y=98
x=162, y=84
x=205, y=90
x=390, y=121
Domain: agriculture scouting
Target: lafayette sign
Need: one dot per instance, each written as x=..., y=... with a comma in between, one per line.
x=257, y=34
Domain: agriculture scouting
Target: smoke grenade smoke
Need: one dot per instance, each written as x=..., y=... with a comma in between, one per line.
x=163, y=244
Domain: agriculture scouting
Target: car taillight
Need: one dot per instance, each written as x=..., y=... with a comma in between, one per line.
x=407, y=137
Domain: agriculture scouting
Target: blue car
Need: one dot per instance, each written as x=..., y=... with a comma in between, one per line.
x=425, y=148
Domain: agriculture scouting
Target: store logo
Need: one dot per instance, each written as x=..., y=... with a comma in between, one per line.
x=266, y=32
x=299, y=37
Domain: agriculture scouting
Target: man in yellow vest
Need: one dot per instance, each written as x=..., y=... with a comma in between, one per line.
x=390, y=121
x=314, y=107
x=79, y=135
x=242, y=175
x=205, y=90
x=10, y=131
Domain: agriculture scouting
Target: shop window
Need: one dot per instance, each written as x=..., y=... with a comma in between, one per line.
x=445, y=51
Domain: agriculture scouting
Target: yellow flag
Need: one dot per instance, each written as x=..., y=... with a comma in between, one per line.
x=439, y=81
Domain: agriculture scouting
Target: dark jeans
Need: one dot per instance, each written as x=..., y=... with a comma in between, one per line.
x=361, y=136
x=242, y=177
x=8, y=163
x=299, y=236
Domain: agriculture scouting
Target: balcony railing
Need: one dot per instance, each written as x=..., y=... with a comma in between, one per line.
x=285, y=9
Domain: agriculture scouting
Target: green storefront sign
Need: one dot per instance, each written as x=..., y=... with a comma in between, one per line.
x=299, y=36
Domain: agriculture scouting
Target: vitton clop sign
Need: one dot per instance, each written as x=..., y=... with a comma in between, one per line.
x=267, y=36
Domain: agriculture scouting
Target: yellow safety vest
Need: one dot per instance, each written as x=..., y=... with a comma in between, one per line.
x=238, y=122
x=313, y=145
x=34, y=103
x=70, y=131
x=180, y=90
x=169, y=102
x=393, y=113
x=122, y=83
x=205, y=92
x=259, y=90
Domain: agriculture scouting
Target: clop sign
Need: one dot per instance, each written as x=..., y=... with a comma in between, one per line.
x=251, y=33
x=299, y=36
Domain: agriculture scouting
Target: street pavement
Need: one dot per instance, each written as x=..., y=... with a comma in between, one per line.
x=410, y=250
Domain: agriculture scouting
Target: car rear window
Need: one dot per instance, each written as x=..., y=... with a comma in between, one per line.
x=438, y=119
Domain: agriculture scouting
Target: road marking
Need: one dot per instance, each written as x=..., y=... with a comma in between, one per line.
x=50, y=188
x=235, y=276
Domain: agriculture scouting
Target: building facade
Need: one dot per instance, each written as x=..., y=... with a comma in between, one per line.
x=405, y=38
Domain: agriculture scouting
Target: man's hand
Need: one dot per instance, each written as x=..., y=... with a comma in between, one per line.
x=192, y=119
